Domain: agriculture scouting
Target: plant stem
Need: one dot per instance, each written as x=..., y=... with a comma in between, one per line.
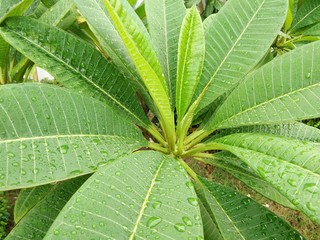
x=203, y=147
x=156, y=134
x=157, y=147
x=189, y=170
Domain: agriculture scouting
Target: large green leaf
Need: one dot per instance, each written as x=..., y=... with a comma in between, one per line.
x=146, y=62
x=75, y=64
x=239, y=217
x=234, y=45
x=146, y=195
x=289, y=165
x=190, y=60
x=38, y=220
x=296, y=130
x=101, y=25
x=49, y=133
x=240, y=170
x=164, y=24
x=313, y=31
x=10, y=8
x=307, y=14
x=28, y=198
x=285, y=89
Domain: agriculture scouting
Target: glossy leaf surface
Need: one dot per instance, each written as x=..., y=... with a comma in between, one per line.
x=54, y=15
x=227, y=207
x=237, y=38
x=241, y=171
x=164, y=24
x=143, y=196
x=190, y=60
x=48, y=134
x=283, y=90
x=75, y=64
x=10, y=8
x=39, y=219
x=291, y=166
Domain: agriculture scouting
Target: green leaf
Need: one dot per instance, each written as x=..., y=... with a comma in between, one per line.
x=4, y=52
x=227, y=206
x=55, y=14
x=291, y=166
x=101, y=25
x=190, y=60
x=10, y=8
x=234, y=45
x=28, y=198
x=313, y=31
x=240, y=170
x=75, y=64
x=146, y=62
x=307, y=14
x=164, y=24
x=39, y=219
x=49, y=133
x=283, y=90
x=210, y=228
x=143, y=196
x=296, y=130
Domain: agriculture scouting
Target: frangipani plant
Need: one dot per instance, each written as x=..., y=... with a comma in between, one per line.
x=79, y=149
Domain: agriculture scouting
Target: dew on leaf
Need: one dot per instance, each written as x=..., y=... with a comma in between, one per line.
x=180, y=227
x=63, y=149
x=156, y=204
x=292, y=182
x=187, y=221
x=153, y=221
x=193, y=201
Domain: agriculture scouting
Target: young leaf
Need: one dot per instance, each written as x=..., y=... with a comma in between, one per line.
x=49, y=134
x=234, y=45
x=283, y=90
x=55, y=14
x=289, y=165
x=143, y=196
x=146, y=62
x=101, y=25
x=307, y=14
x=226, y=207
x=166, y=16
x=75, y=64
x=190, y=60
x=38, y=220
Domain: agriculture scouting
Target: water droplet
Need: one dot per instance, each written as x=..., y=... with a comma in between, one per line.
x=118, y=173
x=153, y=221
x=156, y=204
x=187, y=221
x=193, y=201
x=310, y=207
x=308, y=75
x=56, y=232
x=180, y=227
x=63, y=149
x=15, y=164
x=73, y=232
x=23, y=146
x=10, y=155
x=245, y=201
x=292, y=182
x=189, y=184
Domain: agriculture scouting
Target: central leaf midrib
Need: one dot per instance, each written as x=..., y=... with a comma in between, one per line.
x=60, y=136
x=144, y=204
